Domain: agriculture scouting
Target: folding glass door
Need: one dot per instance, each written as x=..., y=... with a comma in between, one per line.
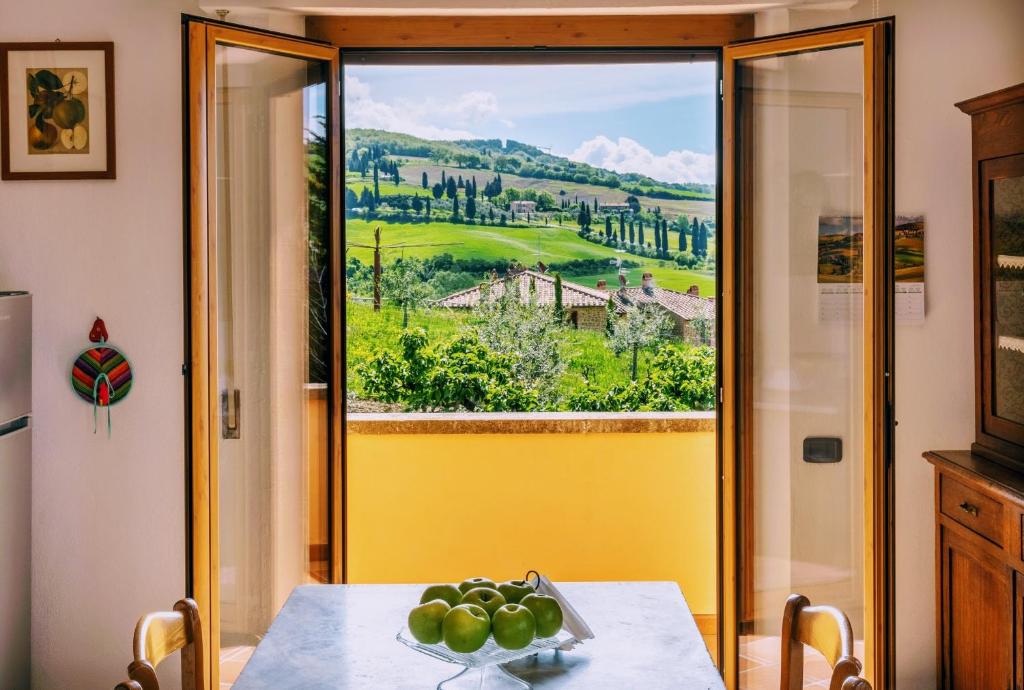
x=262, y=242
x=807, y=319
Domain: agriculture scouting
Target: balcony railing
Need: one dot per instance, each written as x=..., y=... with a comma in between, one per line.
x=443, y=497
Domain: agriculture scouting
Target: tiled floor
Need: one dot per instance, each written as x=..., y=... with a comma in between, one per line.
x=760, y=663
x=232, y=661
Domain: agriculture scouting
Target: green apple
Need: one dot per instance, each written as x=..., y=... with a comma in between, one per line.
x=490, y=600
x=474, y=582
x=514, y=626
x=515, y=590
x=546, y=611
x=425, y=621
x=465, y=629
x=448, y=593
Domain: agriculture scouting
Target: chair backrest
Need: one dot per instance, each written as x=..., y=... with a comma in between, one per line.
x=826, y=629
x=160, y=634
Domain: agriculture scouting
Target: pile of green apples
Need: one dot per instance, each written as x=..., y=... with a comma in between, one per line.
x=464, y=616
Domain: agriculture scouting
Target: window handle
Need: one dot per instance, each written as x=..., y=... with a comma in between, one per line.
x=231, y=414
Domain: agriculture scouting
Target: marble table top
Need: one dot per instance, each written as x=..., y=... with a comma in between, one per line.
x=343, y=637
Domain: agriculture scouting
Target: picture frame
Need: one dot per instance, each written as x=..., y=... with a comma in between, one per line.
x=57, y=111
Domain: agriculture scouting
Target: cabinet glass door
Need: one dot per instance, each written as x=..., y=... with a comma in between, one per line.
x=1006, y=372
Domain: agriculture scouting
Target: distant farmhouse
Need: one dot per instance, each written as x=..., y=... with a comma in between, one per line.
x=692, y=316
x=522, y=206
x=614, y=208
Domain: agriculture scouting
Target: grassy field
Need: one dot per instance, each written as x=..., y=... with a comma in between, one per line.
x=587, y=357
x=525, y=245
x=414, y=168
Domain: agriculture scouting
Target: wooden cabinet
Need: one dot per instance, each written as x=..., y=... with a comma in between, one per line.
x=980, y=572
x=1018, y=627
x=979, y=494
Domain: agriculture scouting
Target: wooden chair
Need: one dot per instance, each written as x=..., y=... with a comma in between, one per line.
x=826, y=629
x=157, y=636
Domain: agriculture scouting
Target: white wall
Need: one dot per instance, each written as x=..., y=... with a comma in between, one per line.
x=108, y=514
x=945, y=52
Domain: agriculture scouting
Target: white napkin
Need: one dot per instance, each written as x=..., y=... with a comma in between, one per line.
x=571, y=619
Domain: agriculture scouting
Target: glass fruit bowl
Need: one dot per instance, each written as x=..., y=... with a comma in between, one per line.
x=482, y=668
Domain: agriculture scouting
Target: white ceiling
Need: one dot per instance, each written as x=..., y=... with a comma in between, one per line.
x=514, y=7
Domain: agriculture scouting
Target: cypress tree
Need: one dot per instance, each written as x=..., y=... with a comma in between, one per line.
x=470, y=207
x=455, y=207
x=425, y=183
x=640, y=232
x=632, y=233
x=444, y=182
x=608, y=227
x=428, y=209
x=622, y=228
x=376, y=185
x=703, y=239
x=657, y=238
x=664, y=236
x=695, y=237
x=451, y=190
x=682, y=237
x=559, y=309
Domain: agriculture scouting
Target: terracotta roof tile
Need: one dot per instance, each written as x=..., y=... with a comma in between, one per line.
x=685, y=305
x=573, y=294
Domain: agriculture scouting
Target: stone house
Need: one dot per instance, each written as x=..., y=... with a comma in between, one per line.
x=692, y=316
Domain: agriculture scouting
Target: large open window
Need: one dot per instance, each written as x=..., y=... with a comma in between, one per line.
x=540, y=444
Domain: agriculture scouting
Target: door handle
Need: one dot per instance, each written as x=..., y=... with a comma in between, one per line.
x=969, y=508
x=231, y=414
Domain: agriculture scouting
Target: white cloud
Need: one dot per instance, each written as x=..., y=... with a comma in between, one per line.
x=628, y=155
x=426, y=118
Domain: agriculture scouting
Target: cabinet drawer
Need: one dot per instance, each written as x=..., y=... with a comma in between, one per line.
x=971, y=508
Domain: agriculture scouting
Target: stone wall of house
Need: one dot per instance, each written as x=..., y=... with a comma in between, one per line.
x=589, y=318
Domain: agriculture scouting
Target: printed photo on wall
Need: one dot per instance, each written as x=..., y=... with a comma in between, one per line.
x=57, y=110
x=841, y=267
x=909, y=259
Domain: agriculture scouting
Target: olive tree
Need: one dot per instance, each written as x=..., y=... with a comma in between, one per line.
x=641, y=327
x=401, y=285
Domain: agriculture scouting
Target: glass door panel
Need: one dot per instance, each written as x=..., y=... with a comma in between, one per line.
x=803, y=221
x=807, y=316
x=271, y=352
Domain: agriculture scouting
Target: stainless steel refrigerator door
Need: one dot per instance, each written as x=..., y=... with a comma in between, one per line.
x=15, y=355
x=15, y=557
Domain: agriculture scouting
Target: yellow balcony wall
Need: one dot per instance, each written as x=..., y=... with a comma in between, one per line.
x=585, y=501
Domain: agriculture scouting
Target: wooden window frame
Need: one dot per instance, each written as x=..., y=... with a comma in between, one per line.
x=491, y=33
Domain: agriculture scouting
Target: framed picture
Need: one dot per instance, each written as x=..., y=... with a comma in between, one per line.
x=57, y=111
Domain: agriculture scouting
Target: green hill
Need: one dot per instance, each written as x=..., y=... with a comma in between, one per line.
x=510, y=157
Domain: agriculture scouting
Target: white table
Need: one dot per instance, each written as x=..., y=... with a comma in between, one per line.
x=343, y=637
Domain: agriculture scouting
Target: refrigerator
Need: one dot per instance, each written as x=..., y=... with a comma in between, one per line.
x=15, y=487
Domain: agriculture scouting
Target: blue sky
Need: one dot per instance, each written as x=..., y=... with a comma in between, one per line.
x=655, y=118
